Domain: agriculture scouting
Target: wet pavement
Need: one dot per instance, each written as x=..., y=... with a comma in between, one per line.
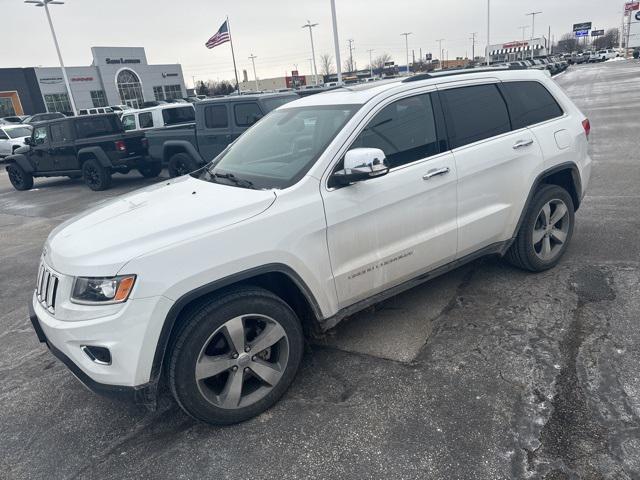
x=486, y=372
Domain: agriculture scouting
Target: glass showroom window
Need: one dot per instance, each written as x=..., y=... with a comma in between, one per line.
x=172, y=91
x=98, y=98
x=57, y=102
x=158, y=93
x=130, y=88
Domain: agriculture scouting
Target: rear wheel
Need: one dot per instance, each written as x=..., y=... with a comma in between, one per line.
x=235, y=356
x=181, y=164
x=19, y=178
x=95, y=175
x=545, y=232
x=151, y=170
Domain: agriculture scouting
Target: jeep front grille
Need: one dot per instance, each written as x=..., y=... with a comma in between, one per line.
x=46, y=288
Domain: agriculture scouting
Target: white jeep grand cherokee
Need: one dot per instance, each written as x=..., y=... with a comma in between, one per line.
x=209, y=282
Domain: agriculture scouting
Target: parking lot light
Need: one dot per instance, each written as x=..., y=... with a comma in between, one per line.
x=45, y=4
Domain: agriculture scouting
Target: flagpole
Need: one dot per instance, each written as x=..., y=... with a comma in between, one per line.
x=233, y=55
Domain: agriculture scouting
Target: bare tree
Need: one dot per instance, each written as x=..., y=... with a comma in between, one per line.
x=349, y=65
x=609, y=40
x=567, y=44
x=326, y=64
x=380, y=60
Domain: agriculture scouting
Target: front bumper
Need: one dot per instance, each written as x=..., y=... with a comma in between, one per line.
x=63, y=340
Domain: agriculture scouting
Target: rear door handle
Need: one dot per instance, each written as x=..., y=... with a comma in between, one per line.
x=436, y=172
x=522, y=143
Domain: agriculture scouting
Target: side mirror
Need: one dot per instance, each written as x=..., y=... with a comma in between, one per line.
x=27, y=141
x=362, y=164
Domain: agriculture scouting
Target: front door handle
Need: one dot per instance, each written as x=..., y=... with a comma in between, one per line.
x=522, y=143
x=436, y=172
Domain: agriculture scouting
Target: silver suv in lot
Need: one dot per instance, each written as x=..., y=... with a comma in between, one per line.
x=210, y=281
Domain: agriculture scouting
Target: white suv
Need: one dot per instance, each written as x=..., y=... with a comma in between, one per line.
x=333, y=202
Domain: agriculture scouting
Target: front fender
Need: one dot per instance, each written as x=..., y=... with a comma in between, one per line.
x=21, y=160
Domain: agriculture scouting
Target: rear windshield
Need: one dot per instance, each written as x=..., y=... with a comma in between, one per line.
x=98, y=126
x=174, y=116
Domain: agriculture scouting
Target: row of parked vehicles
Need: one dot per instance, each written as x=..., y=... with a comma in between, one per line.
x=180, y=136
x=552, y=64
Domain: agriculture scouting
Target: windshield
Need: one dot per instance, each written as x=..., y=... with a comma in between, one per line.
x=18, y=132
x=278, y=150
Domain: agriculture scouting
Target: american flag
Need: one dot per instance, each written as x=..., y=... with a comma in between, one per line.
x=221, y=36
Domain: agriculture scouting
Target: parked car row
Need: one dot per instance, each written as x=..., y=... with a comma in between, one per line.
x=552, y=64
x=93, y=147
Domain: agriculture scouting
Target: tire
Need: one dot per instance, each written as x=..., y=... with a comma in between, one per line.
x=262, y=317
x=150, y=170
x=96, y=176
x=539, y=223
x=181, y=164
x=19, y=178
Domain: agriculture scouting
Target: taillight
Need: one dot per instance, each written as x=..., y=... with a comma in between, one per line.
x=587, y=127
x=121, y=146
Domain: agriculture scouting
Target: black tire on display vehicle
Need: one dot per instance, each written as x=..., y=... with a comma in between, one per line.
x=545, y=232
x=151, y=170
x=20, y=179
x=234, y=356
x=181, y=164
x=95, y=175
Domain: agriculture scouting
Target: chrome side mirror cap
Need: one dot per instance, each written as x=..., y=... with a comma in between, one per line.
x=362, y=164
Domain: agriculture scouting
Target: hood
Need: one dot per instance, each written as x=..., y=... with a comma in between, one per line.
x=102, y=240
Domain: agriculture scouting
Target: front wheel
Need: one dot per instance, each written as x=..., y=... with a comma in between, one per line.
x=545, y=232
x=235, y=356
x=19, y=178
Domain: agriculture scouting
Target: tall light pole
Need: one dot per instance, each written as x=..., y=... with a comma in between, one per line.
x=351, y=65
x=533, y=30
x=336, y=42
x=488, y=32
x=252, y=57
x=406, y=43
x=370, y=63
x=45, y=4
x=440, y=40
x=310, y=26
x=524, y=29
x=473, y=45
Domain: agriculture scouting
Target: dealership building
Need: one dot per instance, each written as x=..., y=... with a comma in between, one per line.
x=518, y=50
x=117, y=76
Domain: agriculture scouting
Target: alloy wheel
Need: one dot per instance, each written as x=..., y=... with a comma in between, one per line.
x=92, y=175
x=242, y=361
x=15, y=176
x=551, y=229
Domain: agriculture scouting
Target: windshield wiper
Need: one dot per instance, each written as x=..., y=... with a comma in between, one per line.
x=241, y=182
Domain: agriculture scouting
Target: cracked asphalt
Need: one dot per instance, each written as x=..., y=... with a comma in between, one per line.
x=485, y=373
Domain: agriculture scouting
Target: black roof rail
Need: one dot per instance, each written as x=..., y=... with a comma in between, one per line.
x=465, y=71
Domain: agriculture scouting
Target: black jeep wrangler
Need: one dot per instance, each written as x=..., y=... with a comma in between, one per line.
x=92, y=147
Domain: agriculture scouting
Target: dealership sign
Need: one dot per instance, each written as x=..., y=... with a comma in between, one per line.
x=515, y=44
x=578, y=27
x=597, y=33
x=582, y=33
x=631, y=6
x=165, y=74
x=51, y=80
x=116, y=61
x=82, y=79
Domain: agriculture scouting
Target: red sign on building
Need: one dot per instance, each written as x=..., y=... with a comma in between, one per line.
x=631, y=6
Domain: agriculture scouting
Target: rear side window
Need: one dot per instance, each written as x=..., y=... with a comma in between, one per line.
x=60, y=132
x=474, y=113
x=146, y=120
x=273, y=103
x=405, y=131
x=128, y=122
x=247, y=114
x=97, y=126
x=215, y=116
x=530, y=103
x=175, y=116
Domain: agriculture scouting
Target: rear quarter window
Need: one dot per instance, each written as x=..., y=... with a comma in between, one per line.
x=530, y=103
x=175, y=116
x=88, y=127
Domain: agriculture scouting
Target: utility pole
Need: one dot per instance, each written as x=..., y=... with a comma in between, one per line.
x=440, y=54
x=370, y=63
x=350, y=42
x=252, y=57
x=533, y=28
x=45, y=4
x=310, y=26
x=406, y=44
x=488, y=31
x=336, y=42
x=524, y=29
x=473, y=45
x=549, y=44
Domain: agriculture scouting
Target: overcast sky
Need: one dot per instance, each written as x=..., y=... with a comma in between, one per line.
x=175, y=31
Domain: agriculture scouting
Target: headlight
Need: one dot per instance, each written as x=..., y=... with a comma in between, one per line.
x=87, y=290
